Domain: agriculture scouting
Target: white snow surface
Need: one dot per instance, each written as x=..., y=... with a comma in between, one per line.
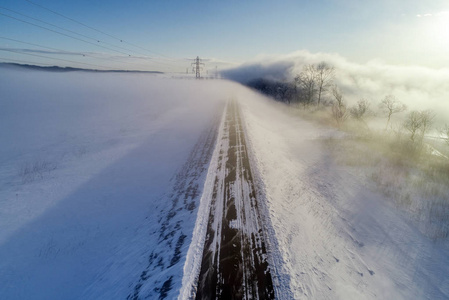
x=334, y=237
x=87, y=161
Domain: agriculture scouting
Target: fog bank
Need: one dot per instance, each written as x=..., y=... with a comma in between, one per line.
x=418, y=87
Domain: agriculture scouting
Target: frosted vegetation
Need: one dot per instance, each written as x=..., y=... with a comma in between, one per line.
x=403, y=151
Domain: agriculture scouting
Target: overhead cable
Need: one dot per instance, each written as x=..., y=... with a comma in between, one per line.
x=68, y=30
x=53, y=58
x=63, y=52
x=24, y=61
x=95, y=29
x=64, y=34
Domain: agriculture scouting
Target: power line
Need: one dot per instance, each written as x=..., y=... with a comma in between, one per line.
x=92, y=28
x=31, y=44
x=79, y=34
x=63, y=52
x=43, y=56
x=23, y=15
x=64, y=34
x=67, y=35
x=68, y=30
x=73, y=20
x=24, y=61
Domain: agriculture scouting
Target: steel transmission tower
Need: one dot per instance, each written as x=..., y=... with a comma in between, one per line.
x=197, y=67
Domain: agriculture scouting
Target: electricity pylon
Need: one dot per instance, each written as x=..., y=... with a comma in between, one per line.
x=197, y=67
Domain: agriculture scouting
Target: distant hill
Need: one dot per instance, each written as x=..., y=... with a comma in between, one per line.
x=70, y=69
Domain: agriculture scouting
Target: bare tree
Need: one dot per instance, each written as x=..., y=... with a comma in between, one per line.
x=306, y=85
x=445, y=133
x=390, y=106
x=413, y=123
x=324, y=77
x=427, y=117
x=284, y=92
x=360, y=110
x=339, y=111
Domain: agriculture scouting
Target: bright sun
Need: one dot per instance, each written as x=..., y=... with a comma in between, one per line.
x=442, y=21
x=438, y=29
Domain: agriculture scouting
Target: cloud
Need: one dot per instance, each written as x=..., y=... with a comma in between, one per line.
x=437, y=14
x=424, y=15
x=442, y=14
x=416, y=86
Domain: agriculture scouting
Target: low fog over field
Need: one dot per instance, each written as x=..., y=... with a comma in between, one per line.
x=417, y=86
x=87, y=161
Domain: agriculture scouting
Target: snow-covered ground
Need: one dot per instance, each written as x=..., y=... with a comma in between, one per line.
x=336, y=238
x=88, y=163
x=101, y=195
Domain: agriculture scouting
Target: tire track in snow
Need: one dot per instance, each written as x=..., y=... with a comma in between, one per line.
x=234, y=264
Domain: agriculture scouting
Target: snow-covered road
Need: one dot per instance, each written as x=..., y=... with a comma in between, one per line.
x=234, y=263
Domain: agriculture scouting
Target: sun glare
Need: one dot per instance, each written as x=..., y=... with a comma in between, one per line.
x=438, y=29
x=442, y=24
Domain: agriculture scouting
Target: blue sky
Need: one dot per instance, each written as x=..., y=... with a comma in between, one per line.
x=396, y=31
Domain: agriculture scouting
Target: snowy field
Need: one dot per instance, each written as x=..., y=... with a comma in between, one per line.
x=87, y=165
x=96, y=201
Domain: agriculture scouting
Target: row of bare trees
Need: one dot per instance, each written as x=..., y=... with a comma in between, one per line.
x=315, y=81
x=417, y=123
x=314, y=87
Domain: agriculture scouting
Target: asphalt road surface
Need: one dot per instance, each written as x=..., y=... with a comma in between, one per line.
x=234, y=264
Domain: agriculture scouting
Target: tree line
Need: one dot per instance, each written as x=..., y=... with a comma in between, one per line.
x=314, y=87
